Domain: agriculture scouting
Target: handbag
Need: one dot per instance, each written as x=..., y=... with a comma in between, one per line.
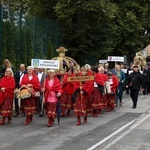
x=130, y=84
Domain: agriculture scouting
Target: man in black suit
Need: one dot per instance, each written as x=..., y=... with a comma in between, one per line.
x=135, y=82
x=18, y=77
x=41, y=76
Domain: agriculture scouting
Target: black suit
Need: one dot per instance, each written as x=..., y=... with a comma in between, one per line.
x=135, y=81
x=17, y=80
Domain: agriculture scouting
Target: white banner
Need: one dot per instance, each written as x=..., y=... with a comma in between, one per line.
x=41, y=63
x=103, y=61
x=116, y=58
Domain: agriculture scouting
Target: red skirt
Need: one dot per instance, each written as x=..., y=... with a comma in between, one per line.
x=111, y=100
x=65, y=101
x=89, y=104
x=6, y=107
x=97, y=100
x=51, y=109
x=30, y=105
x=80, y=106
x=105, y=100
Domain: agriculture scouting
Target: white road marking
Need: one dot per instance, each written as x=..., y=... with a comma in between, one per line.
x=145, y=116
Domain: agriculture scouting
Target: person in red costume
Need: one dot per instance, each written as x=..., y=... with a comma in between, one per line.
x=97, y=101
x=105, y=78
x=88, y=69
x=67, y=91
x=7, y=86
x=82, y=91
x=52, y=91
x=113, y=81
x=30, y=81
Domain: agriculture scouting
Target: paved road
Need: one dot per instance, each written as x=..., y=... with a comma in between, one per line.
x=107, y=131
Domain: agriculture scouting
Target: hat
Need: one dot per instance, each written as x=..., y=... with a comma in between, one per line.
x=51, y=70
x=109, y=73
x=135, y=67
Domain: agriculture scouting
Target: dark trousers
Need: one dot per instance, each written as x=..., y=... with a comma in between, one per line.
x=134, y=95
x=16, y=106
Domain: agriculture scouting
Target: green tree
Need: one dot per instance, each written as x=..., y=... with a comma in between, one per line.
x=50, y=54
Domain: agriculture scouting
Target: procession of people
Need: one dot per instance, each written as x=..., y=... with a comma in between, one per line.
x=43, y=90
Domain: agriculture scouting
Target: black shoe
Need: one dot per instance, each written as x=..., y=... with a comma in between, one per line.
x=15, y=115
x=133, y=107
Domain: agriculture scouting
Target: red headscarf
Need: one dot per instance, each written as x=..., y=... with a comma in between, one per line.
x=9, y=84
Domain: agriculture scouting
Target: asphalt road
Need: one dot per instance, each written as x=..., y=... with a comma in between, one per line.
x=122, y=129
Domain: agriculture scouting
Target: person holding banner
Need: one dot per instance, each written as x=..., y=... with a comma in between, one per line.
x=52, y=91
x=67, y=91
x=31, y=82
x=97, y=100
x=82, y=91
x=7, y=86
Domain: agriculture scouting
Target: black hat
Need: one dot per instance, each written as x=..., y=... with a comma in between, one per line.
x=135, y=67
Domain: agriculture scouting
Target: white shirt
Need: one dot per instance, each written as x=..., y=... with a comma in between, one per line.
x=40, y=75
x=21, y=76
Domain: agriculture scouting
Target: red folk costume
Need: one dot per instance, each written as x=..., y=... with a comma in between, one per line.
x=52, y=87
x=30, y=103
x=6, y=97
x=97, y=101
x=67, y=91
x=81, y=100
x=112, y=97
x=105, y=78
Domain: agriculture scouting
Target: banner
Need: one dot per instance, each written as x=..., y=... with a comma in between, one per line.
x=116, y=58
x=41, y=63
x=103, y=61
x=80, y=78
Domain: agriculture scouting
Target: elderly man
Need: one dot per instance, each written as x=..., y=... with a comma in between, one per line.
x=18, y=78
x=134, y=82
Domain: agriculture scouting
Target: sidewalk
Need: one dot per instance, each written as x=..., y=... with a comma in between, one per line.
x=142, y=105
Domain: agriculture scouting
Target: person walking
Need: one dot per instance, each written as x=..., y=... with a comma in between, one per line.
x=31, y=82
x=18, y=78
x=81, y=94
x=52, y=91
x=121, y=79
x=67, y=91
x=6, y=64
x=134, y=82
x=7, y=86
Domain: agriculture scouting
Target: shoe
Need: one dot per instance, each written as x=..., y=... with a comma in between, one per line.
x=27, y=120
x=133, y=107
x=85, y=119
x=15, y=115
x=120, y=104
x=9, y=119
x=50, y=122
x=116, y=105
x=78, y=121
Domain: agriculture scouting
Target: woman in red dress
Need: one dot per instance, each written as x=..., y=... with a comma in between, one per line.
x=67, y=91
x=31, y=81
x=82, y=91
x=97, y=100
x=53, y=90
x=7, y=86
x=113, y=81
